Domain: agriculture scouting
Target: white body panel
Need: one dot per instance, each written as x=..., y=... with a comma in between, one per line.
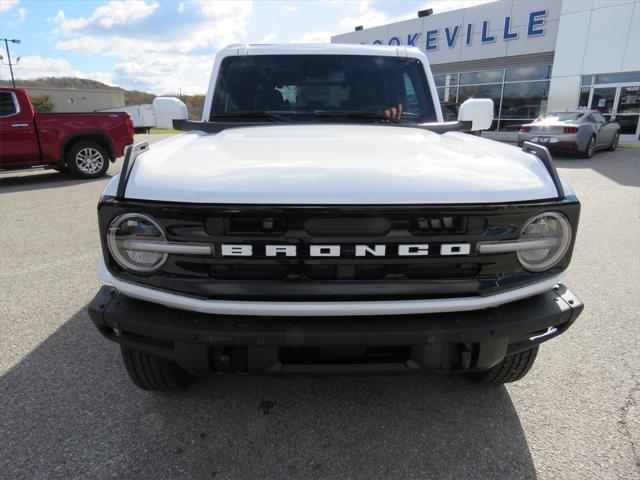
x=167, y=109
x=336, y=164
x=332, y=164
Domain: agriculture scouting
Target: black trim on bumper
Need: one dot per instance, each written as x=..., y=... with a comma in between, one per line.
x=458, y=341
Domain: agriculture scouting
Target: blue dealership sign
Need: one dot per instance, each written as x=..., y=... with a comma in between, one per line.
x=450, y=35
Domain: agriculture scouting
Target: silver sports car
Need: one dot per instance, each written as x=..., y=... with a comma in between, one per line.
x=581, y=132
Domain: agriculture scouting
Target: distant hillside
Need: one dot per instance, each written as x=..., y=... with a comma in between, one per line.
x=131, y=97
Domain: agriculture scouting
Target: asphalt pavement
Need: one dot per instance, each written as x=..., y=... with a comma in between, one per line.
x=68, y=410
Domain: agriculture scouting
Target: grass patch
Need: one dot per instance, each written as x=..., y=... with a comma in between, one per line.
x=159, y=131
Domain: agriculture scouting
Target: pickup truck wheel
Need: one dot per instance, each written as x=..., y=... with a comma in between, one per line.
x=87, y=160
x=150, y=372
x=510, y=369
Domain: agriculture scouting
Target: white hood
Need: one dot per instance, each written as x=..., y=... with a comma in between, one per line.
x=335, y=164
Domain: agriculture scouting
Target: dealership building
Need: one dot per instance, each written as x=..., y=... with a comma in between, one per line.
x=529, y=57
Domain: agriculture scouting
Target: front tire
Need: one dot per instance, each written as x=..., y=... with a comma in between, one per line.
x=589, y=149
x=87, y=160
x=614, y=142
x=510, y=369
x=150, y=372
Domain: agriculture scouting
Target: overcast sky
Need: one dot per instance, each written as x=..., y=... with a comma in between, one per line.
x=162, y=45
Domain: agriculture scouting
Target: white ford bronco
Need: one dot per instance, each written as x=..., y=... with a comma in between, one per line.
x=322, y=218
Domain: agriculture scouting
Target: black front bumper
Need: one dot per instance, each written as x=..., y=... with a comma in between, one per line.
x=459, y=341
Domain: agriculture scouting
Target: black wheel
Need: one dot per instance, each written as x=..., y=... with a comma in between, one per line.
x=87, y=160
x=154, y=373
x=614, y=142
x=589, y=149
x=510, y=369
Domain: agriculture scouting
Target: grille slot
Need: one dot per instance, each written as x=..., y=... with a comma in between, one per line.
x=279, y=225
x=347, y=226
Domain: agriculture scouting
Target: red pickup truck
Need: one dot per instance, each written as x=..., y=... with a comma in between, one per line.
x=82, y=143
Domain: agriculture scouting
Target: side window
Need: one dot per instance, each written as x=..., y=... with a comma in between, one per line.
x=598, y=118
x=589, y=119
x=7, y=105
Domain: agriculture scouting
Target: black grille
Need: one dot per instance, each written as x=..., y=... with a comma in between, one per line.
x=346, y=276
x=362, y=227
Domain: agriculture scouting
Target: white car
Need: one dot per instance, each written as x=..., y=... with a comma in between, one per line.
x=323, y=218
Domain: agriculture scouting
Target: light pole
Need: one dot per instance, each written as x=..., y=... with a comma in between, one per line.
x=6, y=45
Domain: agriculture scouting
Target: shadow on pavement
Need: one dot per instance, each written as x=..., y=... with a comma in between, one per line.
x=69, y=411
x=26, y=181
x=621, y=166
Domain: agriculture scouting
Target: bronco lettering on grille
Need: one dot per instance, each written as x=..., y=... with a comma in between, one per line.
x=380, y=250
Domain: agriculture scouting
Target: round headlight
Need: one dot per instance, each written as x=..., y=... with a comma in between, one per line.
x=125, y=231
x=556, y=230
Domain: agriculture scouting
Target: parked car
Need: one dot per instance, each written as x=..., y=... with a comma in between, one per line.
x=319, y=233
x=581, y=132
x=82, y=143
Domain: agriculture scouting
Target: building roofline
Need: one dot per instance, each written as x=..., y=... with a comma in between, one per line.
x=70, y=89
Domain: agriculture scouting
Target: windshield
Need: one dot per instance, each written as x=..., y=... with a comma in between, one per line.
x=308, y=86
x=560, y=117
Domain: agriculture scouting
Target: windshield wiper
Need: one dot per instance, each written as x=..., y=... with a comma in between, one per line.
x=257, y=114
x=356, y=115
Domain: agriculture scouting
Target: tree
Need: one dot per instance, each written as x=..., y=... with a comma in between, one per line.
x=43, y=104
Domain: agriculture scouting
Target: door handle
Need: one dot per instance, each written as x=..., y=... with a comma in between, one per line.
x=19, y=125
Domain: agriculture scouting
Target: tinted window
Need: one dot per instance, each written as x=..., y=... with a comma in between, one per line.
x=304, y=84
x=524, y=100
x=481, y=91
x=527, y=73
x=7, y=105
x=629, y=100
x=586, y=80
x=440, y=80
x=618, y=77
x=490, y=76
x=583, y=101
x=447, y=94
x=447, y=79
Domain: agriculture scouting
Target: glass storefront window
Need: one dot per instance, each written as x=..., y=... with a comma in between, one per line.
x=447, y=94
x=489, y=76
x=542, y=72
x=618, y=77
x=518, y=99
x=583, y=101
x=629, y=101
x=481, y=91
x=446, y=79
x=586, y=80
x=524, y=100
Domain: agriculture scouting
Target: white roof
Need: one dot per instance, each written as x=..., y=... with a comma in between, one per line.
x=326, y=49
